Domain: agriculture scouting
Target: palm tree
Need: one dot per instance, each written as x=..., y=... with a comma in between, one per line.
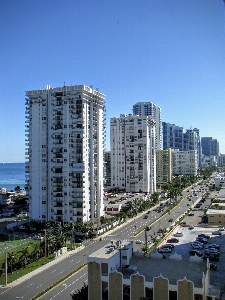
x=11, y=258
x=24, y=257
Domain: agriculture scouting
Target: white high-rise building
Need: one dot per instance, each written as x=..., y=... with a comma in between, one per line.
x=185, y=162
x=133, y=153
x=64, y=154
x=150, y=109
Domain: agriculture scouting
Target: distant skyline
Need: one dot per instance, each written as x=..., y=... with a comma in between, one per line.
x=169, y=52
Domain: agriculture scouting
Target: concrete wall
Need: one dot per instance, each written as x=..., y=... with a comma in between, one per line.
x=115, y=286
x=94, y=281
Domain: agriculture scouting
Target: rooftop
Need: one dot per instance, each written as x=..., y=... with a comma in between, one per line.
x=171, y=269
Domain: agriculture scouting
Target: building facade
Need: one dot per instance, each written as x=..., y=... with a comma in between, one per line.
x=175, y=137
x=163, y=166
x=133, y=155
x=150, y=109
x=185, y=162
x=215, y=147
x=107, y=160
x=64, y=154
x=206, y=146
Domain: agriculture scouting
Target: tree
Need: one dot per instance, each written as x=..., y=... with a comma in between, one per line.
x=17, y=188
x=11, y=258
x=23, y=259
x=81, y=294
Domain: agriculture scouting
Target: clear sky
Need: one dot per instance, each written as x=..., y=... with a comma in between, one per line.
x=169, y=52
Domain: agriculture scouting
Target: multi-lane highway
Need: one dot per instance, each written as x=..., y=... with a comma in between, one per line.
x=39, y=281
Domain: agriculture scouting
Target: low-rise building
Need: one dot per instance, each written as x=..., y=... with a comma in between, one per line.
x=116, y=270
x=216, y=214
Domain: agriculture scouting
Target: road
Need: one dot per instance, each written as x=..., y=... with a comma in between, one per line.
x=128, y=231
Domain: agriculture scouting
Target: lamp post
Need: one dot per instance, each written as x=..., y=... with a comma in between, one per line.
x=45, y=246
x=6, y=279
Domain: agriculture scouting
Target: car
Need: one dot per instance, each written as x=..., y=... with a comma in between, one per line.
x=217, y=233
x=195, y=252
x=172, y=240
x=145, y=217
x=191, y=227
x=212, y=251
x=221, y=228
x=202, y=240
x=170, y=220
x=178, y=233
x=169, y=246
x=204, y=235
x=138, y=242
x=149, y=212
x=216, y=246
x=196, y=245
x=191, y=215
x=164, y=250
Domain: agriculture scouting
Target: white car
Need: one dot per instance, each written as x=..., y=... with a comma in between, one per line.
x=221, y=228
x=178, y=233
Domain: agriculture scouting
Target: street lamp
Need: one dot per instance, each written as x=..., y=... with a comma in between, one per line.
x=6, y=279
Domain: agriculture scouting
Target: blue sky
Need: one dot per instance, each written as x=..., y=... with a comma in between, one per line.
x=169, y=52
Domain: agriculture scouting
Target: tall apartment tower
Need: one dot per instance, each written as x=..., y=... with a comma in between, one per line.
x=163, y=166
x=150, y=109
x=64, y=157
x=215, y=147
x=172, y=136
x=133, y=153
x=206, y=146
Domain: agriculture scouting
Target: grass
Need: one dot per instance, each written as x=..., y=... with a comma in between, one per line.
x=21, y=272
x=15, y=246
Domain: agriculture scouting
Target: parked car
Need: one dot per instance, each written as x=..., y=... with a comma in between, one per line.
x=169, y=246
x=202, y=240
x=195, y=252
x=212, y=251
x=216, y=246
x=170, y=220
x=145, y=217
x=173, y=240
x=178, y=233
x=138, y=242
x=221, y=228
x=191, y=227
x=217, y=233
x=196, y=245
x=164, y=250
x=204, y=235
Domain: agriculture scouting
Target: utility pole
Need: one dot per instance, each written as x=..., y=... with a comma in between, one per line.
x=45, y=246
x=6, y=279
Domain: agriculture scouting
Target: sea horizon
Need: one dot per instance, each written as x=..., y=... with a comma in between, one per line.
x=12, y=175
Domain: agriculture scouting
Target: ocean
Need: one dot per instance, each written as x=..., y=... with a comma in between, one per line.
x=12, y=175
